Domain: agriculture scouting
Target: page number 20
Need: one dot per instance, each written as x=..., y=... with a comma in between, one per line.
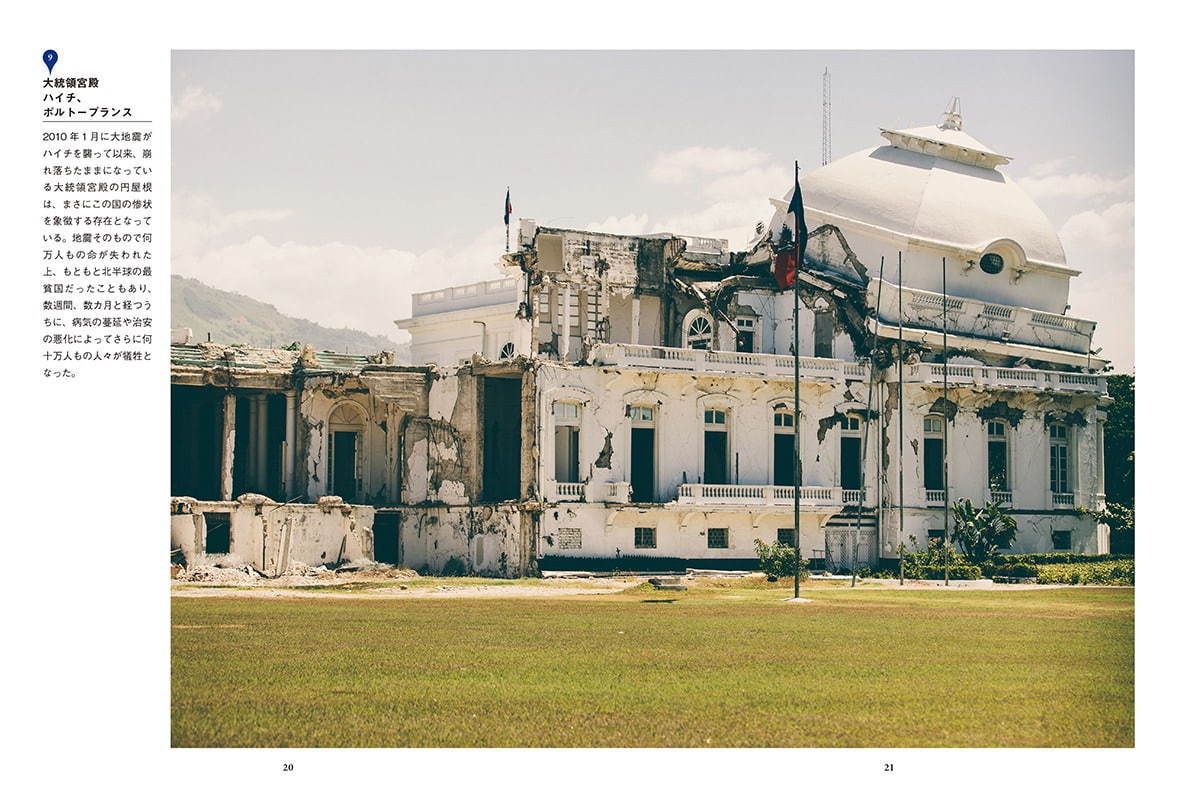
x=288, y=766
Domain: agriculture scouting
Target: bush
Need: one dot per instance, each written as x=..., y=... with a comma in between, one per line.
x=1002, y=570
x=454, y=567
x=779, y=561
x=981, y=532
x=1117, y=573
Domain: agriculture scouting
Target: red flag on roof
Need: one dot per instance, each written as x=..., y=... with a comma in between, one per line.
x=788, y=255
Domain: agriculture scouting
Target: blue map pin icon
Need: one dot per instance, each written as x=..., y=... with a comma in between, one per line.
x=50, y=58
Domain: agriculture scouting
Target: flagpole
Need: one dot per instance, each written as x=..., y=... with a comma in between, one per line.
x=798, y=423
x=900, y=434
x=946, y=482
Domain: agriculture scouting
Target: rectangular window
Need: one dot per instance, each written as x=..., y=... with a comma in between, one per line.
x=1062, y=540
x=745, y=334
x=716, y=417
x=569, y=539
x=784, y=459
x=216, y=532
x=645, y=537
x=997, y=456
x=718, y=538
x=1059, y=459
x=640, y=413
x=567, y=450
x=932, y=463
x=824, y=328
x=786, y=537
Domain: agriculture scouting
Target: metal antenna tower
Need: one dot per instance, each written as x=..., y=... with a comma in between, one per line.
x=826, y=155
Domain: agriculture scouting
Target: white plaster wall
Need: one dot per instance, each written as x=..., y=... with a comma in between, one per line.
x=486, y=539
x=608, y=532
x=270, y=536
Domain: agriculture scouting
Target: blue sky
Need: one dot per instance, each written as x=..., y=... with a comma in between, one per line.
x=333, y=184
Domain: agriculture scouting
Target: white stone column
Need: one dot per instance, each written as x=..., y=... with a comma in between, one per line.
x=229, y=426
x=565, y=322
x=635, y=320
x=289, y=448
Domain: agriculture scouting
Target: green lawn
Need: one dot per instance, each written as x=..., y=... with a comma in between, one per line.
x=722, y=665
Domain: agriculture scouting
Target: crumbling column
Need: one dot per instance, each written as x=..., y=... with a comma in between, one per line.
x=635, y=319
x=250, y=459
x=289, y=448
x=565, y=322
x=229, y=427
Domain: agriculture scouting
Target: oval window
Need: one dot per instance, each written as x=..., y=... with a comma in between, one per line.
x=991, y=263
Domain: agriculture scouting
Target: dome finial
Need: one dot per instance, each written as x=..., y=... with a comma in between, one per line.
x=952, y=118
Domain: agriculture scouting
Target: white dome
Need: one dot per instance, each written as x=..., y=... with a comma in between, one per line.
x=935, y=185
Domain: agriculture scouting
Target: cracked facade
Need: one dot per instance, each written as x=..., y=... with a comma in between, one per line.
x=627, y=401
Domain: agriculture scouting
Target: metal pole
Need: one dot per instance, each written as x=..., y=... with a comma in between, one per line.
x=864, y=443
x=798, y=422
x=946, y=482
x=900, y=435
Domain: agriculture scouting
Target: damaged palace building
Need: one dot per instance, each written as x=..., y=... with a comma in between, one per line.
x=627, y=402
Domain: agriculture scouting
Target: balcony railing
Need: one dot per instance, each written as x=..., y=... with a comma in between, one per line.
x=766, y=494
x=1062, y=500
x=924, y=309
x=618, y=492
x=569, y=490
x=638, y=356
x=998, y=377
x=935, y=496
x=1001, y=497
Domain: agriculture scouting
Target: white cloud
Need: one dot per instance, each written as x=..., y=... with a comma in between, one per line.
x=198, y=222
x=1108, y=231
x=627, y=224
x=1101, y=243
x=1077, y=186
x=1050, y=166
x=192, y=101
x=684, y=165
x=335, y=284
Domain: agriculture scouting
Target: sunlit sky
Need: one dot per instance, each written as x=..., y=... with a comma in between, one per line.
x=334, y=184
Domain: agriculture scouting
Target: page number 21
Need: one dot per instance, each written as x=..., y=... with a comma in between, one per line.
x=889, y=766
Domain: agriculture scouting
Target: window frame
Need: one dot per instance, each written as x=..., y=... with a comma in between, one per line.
x=1065, y=442
x=644, y=545
x=709, y=537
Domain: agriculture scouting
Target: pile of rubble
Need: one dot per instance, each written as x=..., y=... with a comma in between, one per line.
x=233, y=571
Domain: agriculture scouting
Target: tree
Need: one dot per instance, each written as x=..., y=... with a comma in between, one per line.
x=1119, y=447
x=779, y=561
x=981, y=531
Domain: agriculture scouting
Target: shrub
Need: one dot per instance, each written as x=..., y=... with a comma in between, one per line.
x=1002, y=570
x=981, y=532
x=1120, y=573
x=454, y=567
x=779, y=561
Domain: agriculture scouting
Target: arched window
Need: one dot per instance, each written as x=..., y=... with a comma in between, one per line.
x=507, y=351
x=346, y=433
x=698, y=331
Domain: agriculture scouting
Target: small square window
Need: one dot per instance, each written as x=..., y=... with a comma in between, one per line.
x=718, y=538
x=783, y=419
x=216, y=532
x=849, y=423
x=996, y=429
x=932, y=424
x=569, y=539
x=786, y=537
x=1063, y=540
x=714, y=416
x=645, y=537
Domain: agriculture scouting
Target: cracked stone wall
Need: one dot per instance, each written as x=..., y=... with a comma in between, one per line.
x=489, y=540
x=270, y=536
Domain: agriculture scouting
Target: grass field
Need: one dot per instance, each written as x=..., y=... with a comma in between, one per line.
x=727, y=664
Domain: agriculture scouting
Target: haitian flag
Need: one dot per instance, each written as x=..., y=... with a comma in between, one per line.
x=507, y=205
x=789, y=253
